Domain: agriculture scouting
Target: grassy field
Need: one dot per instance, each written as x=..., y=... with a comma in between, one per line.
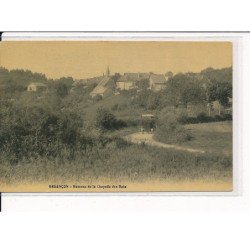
x=215, y=137
x=130, y=163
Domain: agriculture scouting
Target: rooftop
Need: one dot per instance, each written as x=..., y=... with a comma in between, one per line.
x=132, y=77
x=158, y=79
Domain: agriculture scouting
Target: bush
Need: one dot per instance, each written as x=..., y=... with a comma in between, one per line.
x=169, y=130
x=172, y=133
x=182, y=118
x=217, y=118
x=132, y=122
x=120, y=124
x=227, y=117
x=36, y=131
x=192, y=120
x=107, y=121
x=97, y=98
x=62, y=89
x=202, y=117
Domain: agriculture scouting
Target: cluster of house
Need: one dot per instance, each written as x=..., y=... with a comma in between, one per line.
x=128, y=81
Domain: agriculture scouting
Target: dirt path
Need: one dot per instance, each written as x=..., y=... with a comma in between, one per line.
x=148, y=139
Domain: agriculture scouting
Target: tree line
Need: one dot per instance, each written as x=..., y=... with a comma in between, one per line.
x=190, y=88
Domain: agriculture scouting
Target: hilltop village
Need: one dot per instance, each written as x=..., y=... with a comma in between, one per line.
x=200, y=85
x=111, y=84
x=208, y=91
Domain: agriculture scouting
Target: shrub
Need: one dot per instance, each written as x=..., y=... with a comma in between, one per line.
x=202, y=117
x=97, y=98
x=182, y=118
x=172, y=133
x=169, y=130
x=104, y=119
x=192, y=120
x=217, y=118
x=36, y=131
x=62, y=89
x=227, y=117
x=107, y=121
x=132, y=122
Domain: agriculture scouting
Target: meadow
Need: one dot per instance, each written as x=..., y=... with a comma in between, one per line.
x=124, y=162
x=215, y=137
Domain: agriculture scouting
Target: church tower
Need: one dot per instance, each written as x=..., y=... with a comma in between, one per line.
x=108, y=71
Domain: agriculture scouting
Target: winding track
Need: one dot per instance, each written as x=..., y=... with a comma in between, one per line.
x=148, y=139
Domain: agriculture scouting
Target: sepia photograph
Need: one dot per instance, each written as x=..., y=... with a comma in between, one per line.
x=116, y=116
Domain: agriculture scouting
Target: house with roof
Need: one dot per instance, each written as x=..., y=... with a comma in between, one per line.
x=104, y=87
x=219, y=109
x=128, y=80
x=37, y=87
x=87, y=81
x=157, y=82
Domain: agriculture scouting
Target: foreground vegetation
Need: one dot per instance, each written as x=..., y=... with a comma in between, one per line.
x=120, y=161
x=38, y=145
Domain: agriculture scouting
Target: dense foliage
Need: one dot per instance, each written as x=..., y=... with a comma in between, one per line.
x=169, y=129
x=107, y=121
x=190, y=88
x=36, y=131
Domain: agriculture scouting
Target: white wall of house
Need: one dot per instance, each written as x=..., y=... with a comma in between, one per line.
x=125, y=85
x=34, y=88
x=156, y=87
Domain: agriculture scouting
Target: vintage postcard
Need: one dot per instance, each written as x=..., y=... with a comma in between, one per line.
x=116, y=116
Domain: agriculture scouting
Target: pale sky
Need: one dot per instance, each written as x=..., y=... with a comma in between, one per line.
x=81, y=59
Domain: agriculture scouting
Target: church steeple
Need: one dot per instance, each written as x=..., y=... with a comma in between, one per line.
x=107, y=71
